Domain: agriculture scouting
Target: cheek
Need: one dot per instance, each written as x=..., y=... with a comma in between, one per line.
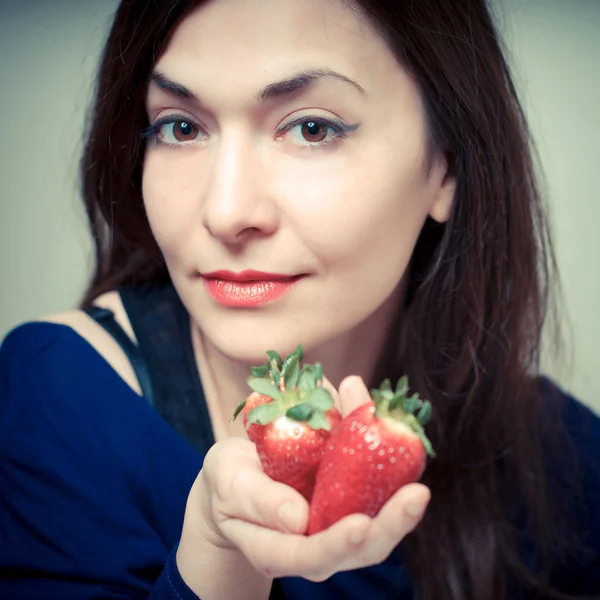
x=353, y=212
x=170, y=198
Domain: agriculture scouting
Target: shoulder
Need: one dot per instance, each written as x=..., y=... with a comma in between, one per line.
x=47, y=370
x=80, y=455
x=33, y=348
x=58, y=391
x=30, y=340
x=85, y=326
x=66, y=334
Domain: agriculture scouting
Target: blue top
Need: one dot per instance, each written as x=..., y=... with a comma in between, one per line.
x=94, y=482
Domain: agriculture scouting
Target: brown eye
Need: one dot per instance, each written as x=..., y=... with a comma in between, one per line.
x=184, y=131
x=314, y=132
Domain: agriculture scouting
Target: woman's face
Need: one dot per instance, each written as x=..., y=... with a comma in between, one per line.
x=286, y=139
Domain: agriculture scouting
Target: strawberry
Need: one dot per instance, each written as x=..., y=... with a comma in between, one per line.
x=378, y=448
x=289, y=417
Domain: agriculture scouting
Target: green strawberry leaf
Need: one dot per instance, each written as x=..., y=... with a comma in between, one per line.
x=297, y=356
x=276, y=378
x=261, y=371
x=397, y=402
x=292, y=380
x=289, y=359
x=411, y=403
x=318, y=420
x=262, y=386
x=306, y=381
x=402, y=386
x=300, y=412
x=377, y=397
x=265, y=413
x=238, y=409
x=319, y=372
x=320, y=398
x=273, y=356
x=386, y=386
x=426, y=443
x=291, y=372
x=424, y=413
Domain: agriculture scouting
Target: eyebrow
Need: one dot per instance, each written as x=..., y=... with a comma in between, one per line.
x=273, y=90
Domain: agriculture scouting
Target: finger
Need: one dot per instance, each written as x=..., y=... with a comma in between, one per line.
x=381, y=534
x=253, y=496
x=352, y=543
x=398, y=517
x=257, y=498
x=410, y=501
x=353, y=393
x=239, y=488
x=315, y=557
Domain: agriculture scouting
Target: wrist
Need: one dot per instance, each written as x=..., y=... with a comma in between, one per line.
x=215, y=572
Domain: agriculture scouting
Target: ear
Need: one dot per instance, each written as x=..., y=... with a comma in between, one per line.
x=444, y=177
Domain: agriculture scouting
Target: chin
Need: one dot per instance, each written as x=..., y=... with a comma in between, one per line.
x=249, y=345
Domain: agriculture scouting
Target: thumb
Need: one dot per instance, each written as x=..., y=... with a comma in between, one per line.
x=353, y=393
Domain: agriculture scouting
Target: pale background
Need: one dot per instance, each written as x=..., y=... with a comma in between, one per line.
x=48, y=54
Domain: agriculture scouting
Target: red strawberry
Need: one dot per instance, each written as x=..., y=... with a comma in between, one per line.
x=376, y=449
x=289, y=417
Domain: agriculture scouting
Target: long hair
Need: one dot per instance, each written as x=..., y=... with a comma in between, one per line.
x=468, y=335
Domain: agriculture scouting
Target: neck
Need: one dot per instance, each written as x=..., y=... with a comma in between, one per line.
x=356, y=352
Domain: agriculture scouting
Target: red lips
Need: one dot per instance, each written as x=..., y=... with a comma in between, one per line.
x=247, y=288
x=249, y=275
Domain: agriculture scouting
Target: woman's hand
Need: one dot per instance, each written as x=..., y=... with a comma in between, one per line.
x=235, y=507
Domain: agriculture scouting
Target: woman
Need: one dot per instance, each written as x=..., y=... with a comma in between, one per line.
x=352, y=176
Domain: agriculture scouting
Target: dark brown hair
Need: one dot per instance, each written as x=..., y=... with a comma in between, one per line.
x=469, y=333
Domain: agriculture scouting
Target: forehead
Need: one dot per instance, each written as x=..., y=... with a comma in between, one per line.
x=240, y=44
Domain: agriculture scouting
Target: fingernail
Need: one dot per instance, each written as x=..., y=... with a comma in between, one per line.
x=416, y=503
x=356, y=389
x=415, y=509
x=288, y=515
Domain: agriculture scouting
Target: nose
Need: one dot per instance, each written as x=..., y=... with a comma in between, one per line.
x=236, y=203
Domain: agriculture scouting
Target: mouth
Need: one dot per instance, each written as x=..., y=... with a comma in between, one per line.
x=248, y=288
